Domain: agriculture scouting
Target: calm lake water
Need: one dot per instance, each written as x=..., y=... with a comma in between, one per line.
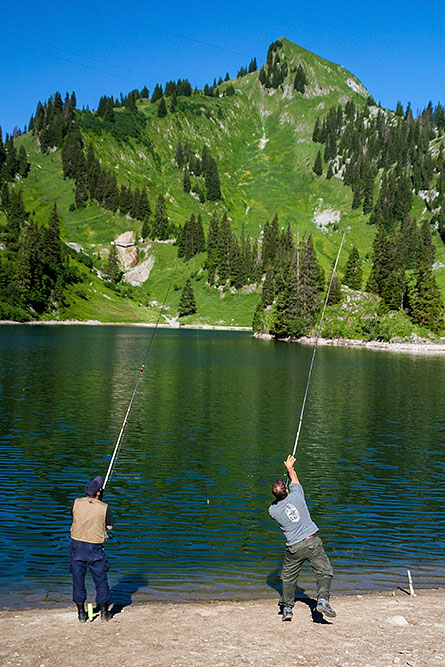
x=214, y=417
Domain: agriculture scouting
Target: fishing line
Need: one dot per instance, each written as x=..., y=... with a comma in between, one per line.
x=316, y=344
x=154, y=28
x=141, y=370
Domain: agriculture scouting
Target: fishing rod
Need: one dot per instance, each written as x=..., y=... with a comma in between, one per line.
x=141, y=370
x=316, y=344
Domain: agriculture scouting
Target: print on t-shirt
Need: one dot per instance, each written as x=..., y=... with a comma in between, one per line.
x=292, y=512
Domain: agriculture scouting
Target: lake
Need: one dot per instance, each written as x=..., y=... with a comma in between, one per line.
x=215, y=414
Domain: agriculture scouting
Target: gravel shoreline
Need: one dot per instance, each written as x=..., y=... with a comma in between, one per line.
x=372, y=630
x=421, y=347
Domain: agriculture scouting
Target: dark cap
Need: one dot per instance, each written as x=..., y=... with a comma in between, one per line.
x=93, y=486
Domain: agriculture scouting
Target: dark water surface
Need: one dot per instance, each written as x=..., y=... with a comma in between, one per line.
x=214, y=416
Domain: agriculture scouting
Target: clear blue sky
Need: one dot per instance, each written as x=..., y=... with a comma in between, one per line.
x=94, y=47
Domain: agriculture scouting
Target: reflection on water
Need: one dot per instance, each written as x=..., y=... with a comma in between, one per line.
x=215, y=414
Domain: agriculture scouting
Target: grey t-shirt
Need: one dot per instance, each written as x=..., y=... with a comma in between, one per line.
x=293, y=515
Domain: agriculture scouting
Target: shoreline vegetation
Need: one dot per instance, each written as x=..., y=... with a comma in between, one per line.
x=378, y=629
x=418, y=346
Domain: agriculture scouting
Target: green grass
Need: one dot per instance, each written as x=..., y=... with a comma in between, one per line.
x=359, y=316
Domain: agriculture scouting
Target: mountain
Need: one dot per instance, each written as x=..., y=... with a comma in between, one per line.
x=242, y=147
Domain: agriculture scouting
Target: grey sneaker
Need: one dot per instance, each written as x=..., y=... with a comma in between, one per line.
x=287, y=614
x=325, y=608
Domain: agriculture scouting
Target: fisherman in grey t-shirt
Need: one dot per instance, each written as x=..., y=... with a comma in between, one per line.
x=302, y=543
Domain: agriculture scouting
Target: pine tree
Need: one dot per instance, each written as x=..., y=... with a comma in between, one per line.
x=108, y=113
x=112, y=267
x=297, y=304
x=300, y=80
x=426, y=307
x=268, y=289
x=23, y=166
x=179, y=155
x=162, y=108
x=157, y=93
x=187, y=302
x=253, y=66
x=318, y=166
x=224, y=249
x=259, y=320
x=81, y=192
x=143, y=208
x=212, y=182
x=316, y=133
x=160, y=224
x=29, y=269
x=271, y=239
x=52, y=246
x=15, y=218
x=186, y=185
x=335, y=291
x=353, y=270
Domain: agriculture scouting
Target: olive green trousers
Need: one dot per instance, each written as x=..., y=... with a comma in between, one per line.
x=311, y=550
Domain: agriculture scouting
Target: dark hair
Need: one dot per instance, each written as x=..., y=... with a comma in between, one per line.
x=279, y=489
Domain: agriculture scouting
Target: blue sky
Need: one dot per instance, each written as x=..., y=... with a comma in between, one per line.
x=94, y=47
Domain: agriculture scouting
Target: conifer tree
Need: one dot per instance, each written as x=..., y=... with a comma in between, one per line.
x=29, y=268
x=268, y=289
x=270, y=244
x=108, y=113
x=73, y=160
x=297, y=304
x=426, y=307
x=318, y=166
x=112, y=267
x=52, y=246
x=253, y=66
x=173, y=102
x=187, y=302
x=353, y=270
x=212, y=182
x=160, y=224
x=146, y=228
x=224, y=249
x=316, y=132
x=300, y=80
x=157, y=93
x=162, y=108
x=259, y=320
x=186, y=185
x=15, y=218
x=335, y=291
x=23, y=166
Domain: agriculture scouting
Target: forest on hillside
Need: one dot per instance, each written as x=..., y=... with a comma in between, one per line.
x=385, y=158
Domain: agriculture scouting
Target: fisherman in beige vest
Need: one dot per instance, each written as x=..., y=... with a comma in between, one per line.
x=91, y=518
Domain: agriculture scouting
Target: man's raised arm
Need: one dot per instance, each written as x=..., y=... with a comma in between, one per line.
x=289, y=463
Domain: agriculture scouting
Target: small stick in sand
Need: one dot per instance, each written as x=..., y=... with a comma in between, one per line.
x=410, y=582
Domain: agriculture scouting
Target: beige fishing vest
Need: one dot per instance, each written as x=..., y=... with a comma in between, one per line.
x=89, y=520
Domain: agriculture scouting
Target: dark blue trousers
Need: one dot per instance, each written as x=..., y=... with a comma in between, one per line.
x=83, y=556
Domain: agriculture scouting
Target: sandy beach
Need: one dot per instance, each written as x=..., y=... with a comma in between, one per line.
x=372, y=630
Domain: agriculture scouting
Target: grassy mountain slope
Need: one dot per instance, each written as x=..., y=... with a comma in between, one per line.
x=262, y=142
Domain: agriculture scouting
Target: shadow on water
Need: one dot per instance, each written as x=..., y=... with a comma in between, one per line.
x=121, y=593
x=274, y=581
